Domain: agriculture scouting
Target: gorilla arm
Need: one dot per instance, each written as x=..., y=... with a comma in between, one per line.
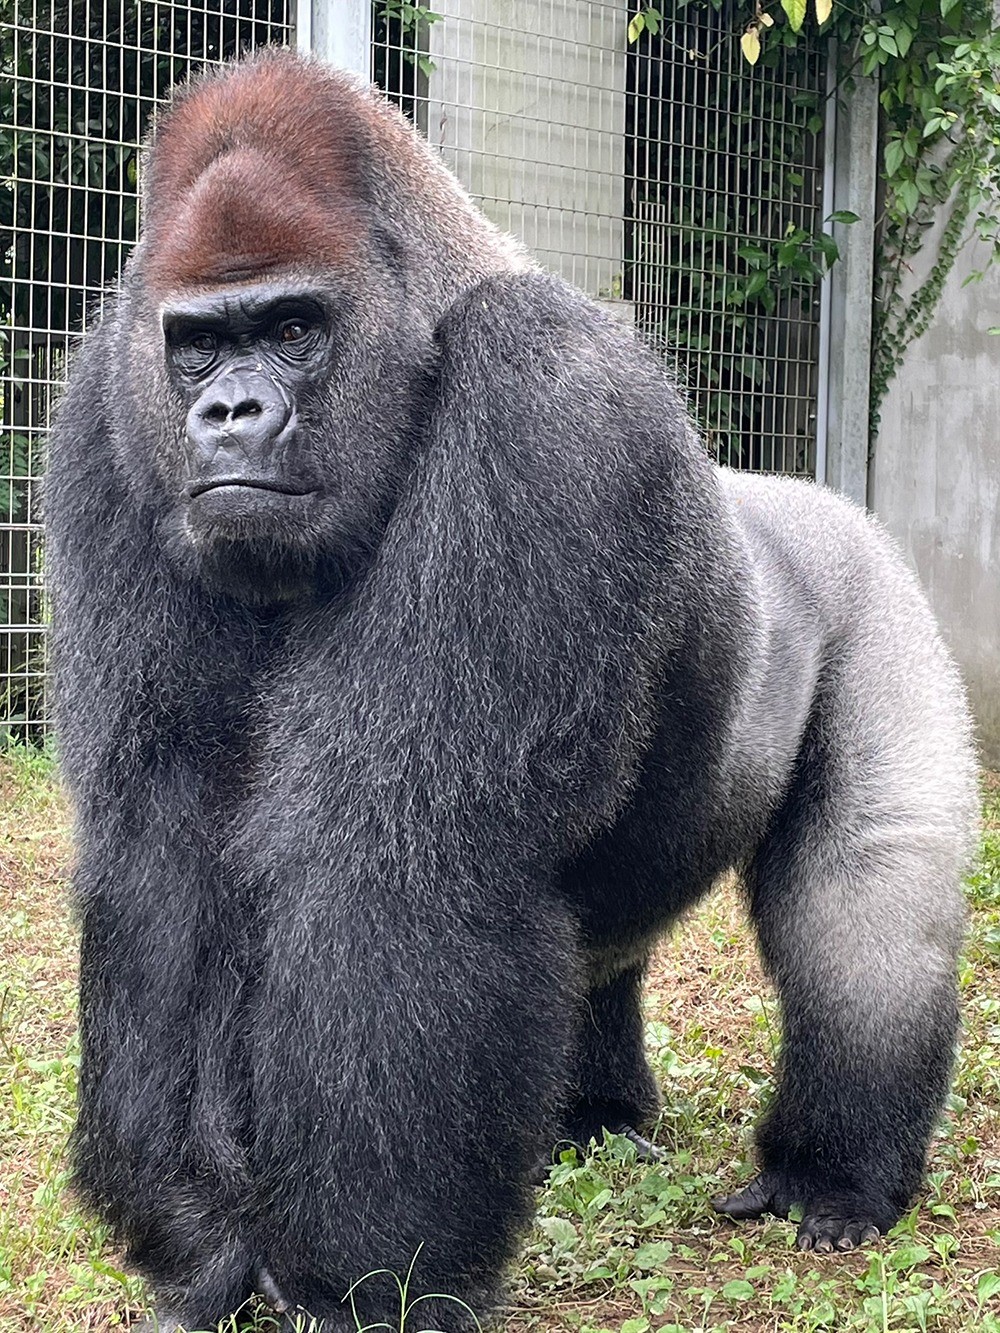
x=478, y=715
x=147, y=663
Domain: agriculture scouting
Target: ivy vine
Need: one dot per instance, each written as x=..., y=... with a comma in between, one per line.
x=938, y=65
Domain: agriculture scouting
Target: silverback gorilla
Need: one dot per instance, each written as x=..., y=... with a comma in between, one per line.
x=416, y=670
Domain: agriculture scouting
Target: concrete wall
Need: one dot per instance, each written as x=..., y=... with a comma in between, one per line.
x=935, y=478
x=527, y=104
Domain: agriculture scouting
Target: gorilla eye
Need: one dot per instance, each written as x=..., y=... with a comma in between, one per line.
x=293, y=330
x=194, y=352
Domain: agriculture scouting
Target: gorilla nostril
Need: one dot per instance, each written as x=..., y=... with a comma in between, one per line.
x=221, y=413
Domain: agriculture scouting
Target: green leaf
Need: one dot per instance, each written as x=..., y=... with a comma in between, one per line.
x=635, y=28
x=843, y=215
x=947, y=6
x=908, y=1256
x=560, y=1231
x=828, y=248
x=756, y=283
x=907, y=196
x=894, y=156
x=824, y=8
x=738, y=1290
x=108, y=1270
x=653, y=1255
x=987, y=1287
x=796, y=11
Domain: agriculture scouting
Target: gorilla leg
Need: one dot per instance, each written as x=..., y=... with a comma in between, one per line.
x=859, y=917
x=613, y=1087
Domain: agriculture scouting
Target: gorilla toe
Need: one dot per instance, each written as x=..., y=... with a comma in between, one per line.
x=826, y=1228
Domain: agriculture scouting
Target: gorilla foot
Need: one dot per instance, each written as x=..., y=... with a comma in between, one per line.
x=828, y=1227
x=830, y=1221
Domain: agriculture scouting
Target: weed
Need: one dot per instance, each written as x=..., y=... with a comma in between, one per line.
x=620, y=1245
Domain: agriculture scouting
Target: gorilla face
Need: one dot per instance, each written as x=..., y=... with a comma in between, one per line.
x=289, y=464
x=246, y=361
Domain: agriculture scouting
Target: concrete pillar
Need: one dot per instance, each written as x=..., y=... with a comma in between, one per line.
x=527, y=105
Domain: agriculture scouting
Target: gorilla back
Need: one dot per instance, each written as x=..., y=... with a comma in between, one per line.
x=415, y=670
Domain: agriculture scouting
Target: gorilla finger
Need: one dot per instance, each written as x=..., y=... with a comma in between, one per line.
x=646, y=1150
x=853, y=1234
x=271, y=1292
x=870, y=1234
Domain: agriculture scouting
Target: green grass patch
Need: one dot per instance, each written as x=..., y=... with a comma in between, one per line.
x=618, y=1245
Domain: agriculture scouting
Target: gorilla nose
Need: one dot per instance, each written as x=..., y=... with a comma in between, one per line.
x=241, y=416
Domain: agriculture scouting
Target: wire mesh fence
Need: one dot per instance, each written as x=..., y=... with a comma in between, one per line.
x=79, y=84
x=662, y=176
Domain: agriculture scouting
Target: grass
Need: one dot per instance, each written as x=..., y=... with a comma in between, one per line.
x=618, y=1245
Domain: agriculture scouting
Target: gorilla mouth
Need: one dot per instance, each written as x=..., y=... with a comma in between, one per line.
x=197, y=488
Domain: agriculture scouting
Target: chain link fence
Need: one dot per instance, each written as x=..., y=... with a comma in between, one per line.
x=661, y=175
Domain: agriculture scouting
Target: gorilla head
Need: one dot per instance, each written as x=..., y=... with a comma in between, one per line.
x=282, y=312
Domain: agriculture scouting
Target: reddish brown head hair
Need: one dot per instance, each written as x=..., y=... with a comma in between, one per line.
x=254, y=171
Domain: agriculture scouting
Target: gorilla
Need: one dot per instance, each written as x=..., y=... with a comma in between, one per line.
x=416, y=670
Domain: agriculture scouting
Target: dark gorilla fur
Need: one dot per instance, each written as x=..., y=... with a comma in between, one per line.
x=386, y=783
